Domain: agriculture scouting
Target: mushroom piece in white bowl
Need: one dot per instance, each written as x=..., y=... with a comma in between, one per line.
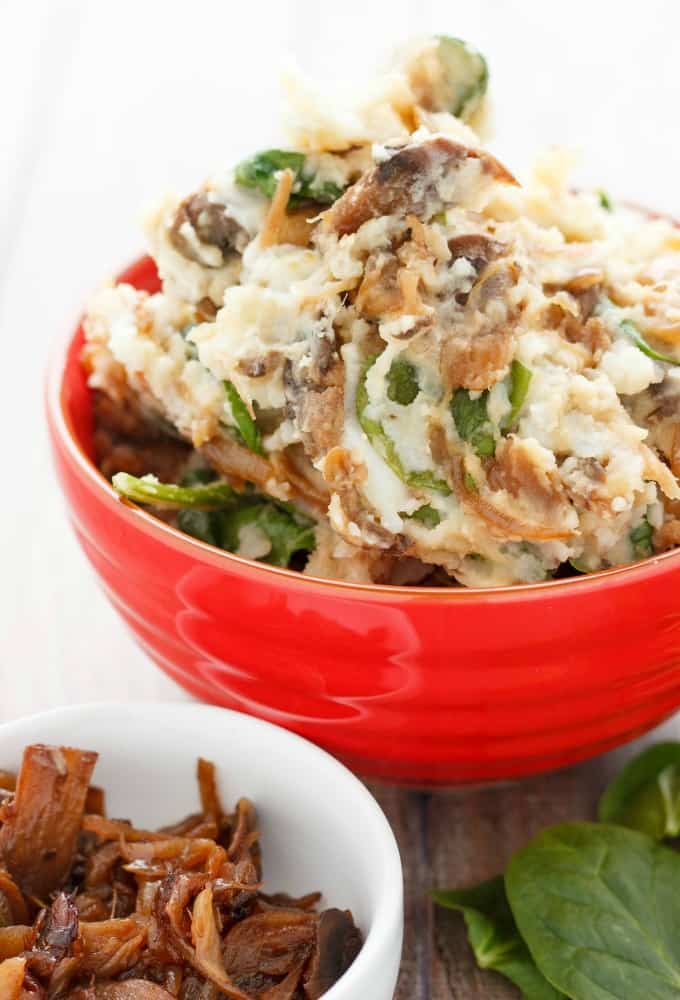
x=320, y=828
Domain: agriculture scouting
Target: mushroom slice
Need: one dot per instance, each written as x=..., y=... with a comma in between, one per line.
x=41, y=824
x=517, y=497
x=416, y=178
x=12, y=978
x=478, y=248
x=479, y=345
x=338, y=942
x=203, y=223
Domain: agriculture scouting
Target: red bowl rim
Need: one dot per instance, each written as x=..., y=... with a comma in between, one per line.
x=62, y=427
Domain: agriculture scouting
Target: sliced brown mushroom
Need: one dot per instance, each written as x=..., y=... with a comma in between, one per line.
x=212, y=225
x=517, y=500
x=42, y=823
x=408, y=181
x=12, y=978
x=338, y=943
x=479, y=249
x=478, y=347
x=315, y=394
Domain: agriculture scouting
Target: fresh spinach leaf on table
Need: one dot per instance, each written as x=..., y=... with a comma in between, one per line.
x=494, y=938
x=645, y=795
x=599, y=909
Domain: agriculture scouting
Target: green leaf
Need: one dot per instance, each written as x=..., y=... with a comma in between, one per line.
x=245, y=425
x=402, y=382
x=645, y=795
x=641, y=539
x=466, y=76
x=206, y=525
x=198, y=477
x=605, y=201
x=520, y=379
x=494, y=937
x=599, y=909
x=385, y=446
x=630, y=329
x=287, y=532
x=170, y=496
x=262, y=172
x=427, y=515
x=472, y=421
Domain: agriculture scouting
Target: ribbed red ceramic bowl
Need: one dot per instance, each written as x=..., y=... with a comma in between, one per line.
x=419, y=686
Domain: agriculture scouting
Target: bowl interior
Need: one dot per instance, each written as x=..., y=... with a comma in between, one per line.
x=321, y=829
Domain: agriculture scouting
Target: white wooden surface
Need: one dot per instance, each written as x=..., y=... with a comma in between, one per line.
x=104, y=104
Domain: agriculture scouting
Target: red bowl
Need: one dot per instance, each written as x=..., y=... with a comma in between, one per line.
x=419, y=686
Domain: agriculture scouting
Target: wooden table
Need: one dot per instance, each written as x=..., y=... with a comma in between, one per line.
x=460, y=836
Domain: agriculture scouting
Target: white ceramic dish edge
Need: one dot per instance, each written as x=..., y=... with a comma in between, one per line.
x=321, y=828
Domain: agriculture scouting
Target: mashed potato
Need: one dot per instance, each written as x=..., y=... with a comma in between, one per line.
x=461, y=379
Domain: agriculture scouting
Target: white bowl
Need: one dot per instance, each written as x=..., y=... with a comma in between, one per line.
x=321, y=828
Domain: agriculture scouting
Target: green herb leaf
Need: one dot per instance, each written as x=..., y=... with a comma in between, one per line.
x=402, y=382
x=520, y=379
x=465, y=76
x=605, y=201
x=199, y=477
x=599, y=909
x=630, y=329
x=641, y=539
x=494, y=937
x=385, y=446
x=645, y=795
x=287, y=532
x=170, y=496
x=312, y=188
x=202, y=524
x=245, y=425
x=262, y=172
x=472, y=421
x=427, y=515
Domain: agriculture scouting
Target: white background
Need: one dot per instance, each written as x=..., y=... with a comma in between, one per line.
x=103, y=105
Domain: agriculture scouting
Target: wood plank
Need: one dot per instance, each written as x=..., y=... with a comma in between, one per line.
x=457, y=837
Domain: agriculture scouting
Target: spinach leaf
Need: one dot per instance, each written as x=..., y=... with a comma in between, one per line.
x=520, y=379
x=384, y=444
x=245, y=425
x=465, y=76
x=212, y=511
x=645, y=795
x=427, y=515
x=288, y=532
x=472, y=421
x=641, y=539
x=402, y=382
x=206, y=525
x=630, y=329
x=198, y=477
x=599, y=908
x=494, y=937
x=170, y=496
x=262, y=172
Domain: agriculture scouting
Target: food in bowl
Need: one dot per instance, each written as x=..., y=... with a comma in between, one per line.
x=95, y=907
x=376, y=357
